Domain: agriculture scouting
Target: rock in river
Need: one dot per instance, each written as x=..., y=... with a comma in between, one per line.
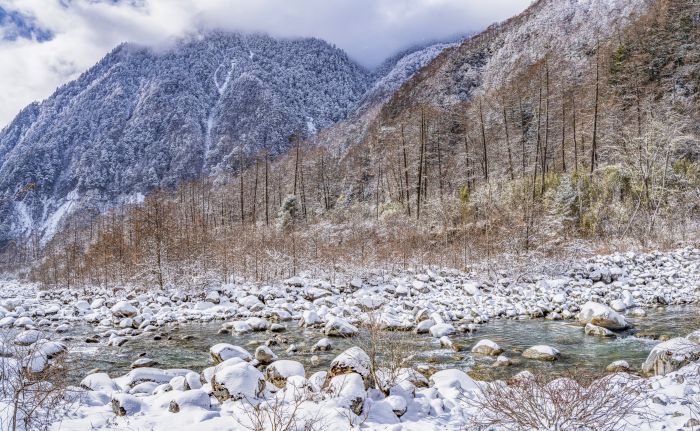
x=487, y=347
x=603, y=316
x=542, y=353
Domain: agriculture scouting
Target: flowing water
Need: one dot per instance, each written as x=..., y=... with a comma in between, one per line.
x=187, y=345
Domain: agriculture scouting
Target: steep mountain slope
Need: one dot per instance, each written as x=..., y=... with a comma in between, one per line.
x=387, y=80
x=140, y=119
x=567, y=30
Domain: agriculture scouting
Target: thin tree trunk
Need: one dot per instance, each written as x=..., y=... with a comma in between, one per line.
x=510, y=156
x=523, y=137
x=296, y=167
x=267, y=203
x=483, y=143
x=405, y=171
x=240, y=175
x=537, y=151
x=419, y=187
x=255, y=190
x=573, y=123
x=594, y=147
x=563, y=133
x=546, y=129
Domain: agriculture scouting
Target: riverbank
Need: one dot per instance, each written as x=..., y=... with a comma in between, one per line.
x=443, y=305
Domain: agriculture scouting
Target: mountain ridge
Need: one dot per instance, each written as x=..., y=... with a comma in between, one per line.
x=142, y=118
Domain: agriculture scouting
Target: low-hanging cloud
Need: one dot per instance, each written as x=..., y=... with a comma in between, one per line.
x=46, y=43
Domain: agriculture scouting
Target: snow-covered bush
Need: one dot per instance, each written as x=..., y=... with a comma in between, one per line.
x=574, y=402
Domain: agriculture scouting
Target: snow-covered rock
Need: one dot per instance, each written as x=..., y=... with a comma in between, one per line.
x=542, y=353
x=238, y=381
x=598, y=331
x=223, y=351
x=264, y=355
x=322, y=345
x=192, y=399
x=352, y=360
x=452, y=383
x=670, y=356
x=442, y=330
x=487, y=347
x=126, y=405
x=602, y=315
x=337, y=327
x=350, y=388
x=279, y=371
x=123, y=309
x=99, y=382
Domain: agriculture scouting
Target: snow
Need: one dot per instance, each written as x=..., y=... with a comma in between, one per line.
x=541, y=352
x=337, y=327
x=342, y=389
x=281, y=370
x=353, y=359
x=51, y=223
x=27, y=337
x=452, y=382
x=145, y=374
x=238, y=381
x=123, y=309
x=487, y=347
x=100, y=382
x=222, y=352
x=602, y=315
x=671, y=355
x=441, y=330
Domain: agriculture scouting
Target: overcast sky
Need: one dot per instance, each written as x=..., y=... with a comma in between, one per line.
x=45, y=43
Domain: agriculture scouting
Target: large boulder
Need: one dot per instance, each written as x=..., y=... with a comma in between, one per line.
x=337, y=327
x=442, y=330
x=671, y=355
x=542, y=353
x=353, y=360
x=601, y=315
x=223, y=351
x=238, y=381
x=597, y=331
x=279, y=371
x=487, y=347
x=350, y=389
x=123, y=309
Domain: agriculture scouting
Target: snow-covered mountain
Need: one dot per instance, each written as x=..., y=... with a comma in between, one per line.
x=141, y=119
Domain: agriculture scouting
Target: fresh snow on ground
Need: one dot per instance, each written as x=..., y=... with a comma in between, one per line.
x=239, y=385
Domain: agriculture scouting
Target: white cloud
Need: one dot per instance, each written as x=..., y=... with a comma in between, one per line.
x=85, y=30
